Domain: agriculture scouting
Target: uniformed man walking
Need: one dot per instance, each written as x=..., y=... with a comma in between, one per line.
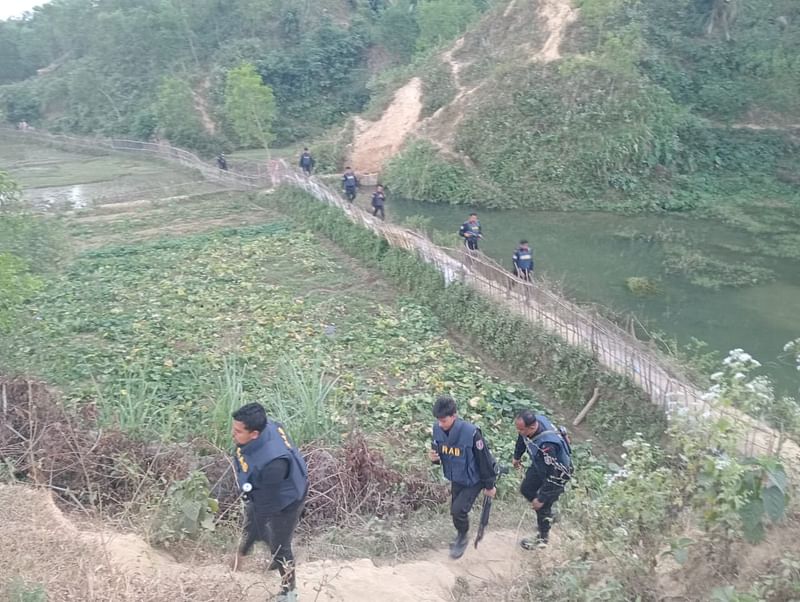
x=273, y=477
x=306, y=162
x=470, y=231
x=378, y=201
x=523, y=261
x=349, y=183
x=550, y=469
x=466, y=462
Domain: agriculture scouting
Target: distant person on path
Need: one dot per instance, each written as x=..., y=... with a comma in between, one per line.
x=523, y=261
x=306, y=162
x=470, y=231
x=550, y=469
x=350, y=184
x=378, y=200
x=273, y=478
x=222, y=162
x=466, y=462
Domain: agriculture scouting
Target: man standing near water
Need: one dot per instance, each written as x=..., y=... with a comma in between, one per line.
x=523, y=261
x=470, y=231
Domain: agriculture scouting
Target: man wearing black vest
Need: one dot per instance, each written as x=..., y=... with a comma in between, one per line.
x=550, y=469
x=273, y=478
x=466, y=462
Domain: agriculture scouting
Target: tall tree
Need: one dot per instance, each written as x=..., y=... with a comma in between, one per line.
x=249, y=106
x=176, y=114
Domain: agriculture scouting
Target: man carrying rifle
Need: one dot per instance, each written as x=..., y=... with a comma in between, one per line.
x=466, y=462
x=470, y=231
x=550, y=469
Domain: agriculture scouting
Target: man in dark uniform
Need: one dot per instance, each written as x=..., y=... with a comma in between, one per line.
x=378, y=200
x=350, y=184
x=306, y=162
x=470, y=231
x=523, y=261
x=273, y=477
x=466, y=462
x=222, y=162
x=550, y=469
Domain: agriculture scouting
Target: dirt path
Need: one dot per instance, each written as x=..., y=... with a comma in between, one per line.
x=201, y=106
x=117, y=566
x=376, y=141
x=558, y=14
x=792, y=127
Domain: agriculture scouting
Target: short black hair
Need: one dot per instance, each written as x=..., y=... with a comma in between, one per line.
x=444, y=406
x=475, y=214
x=253, y=416
x=523, y=242
x=527, y=417
x=348, y=167
x=305, y=148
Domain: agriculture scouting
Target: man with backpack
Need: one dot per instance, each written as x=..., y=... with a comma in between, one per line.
x=523, y=261
x=466, y=462
x=550, y=470
x=306, y=162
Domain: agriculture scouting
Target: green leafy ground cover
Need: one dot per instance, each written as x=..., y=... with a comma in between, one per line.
x=157, y=322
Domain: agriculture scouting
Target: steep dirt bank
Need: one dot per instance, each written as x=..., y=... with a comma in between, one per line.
x=42, y=546
x=376, y=141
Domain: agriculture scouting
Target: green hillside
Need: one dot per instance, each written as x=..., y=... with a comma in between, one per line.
x=643, y=105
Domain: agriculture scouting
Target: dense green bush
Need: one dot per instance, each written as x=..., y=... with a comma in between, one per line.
x=438, y=87
x=420, y=172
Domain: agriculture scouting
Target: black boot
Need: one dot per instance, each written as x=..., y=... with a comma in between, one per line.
x=459, y=545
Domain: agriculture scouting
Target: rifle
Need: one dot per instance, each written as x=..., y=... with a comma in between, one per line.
x=486, y=509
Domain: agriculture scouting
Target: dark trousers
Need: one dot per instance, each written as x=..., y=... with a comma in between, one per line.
x=463, y=498
x=276, y=531
x=526, y=275
x=376, y=209
x=350, y=193
x=544, y=515
x=471, y=243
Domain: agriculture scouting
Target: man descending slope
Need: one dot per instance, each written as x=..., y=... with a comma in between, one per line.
x=549, y=472
x=466, y=462
x=273, y=477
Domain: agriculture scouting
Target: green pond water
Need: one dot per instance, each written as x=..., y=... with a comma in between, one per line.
x=592, y=255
